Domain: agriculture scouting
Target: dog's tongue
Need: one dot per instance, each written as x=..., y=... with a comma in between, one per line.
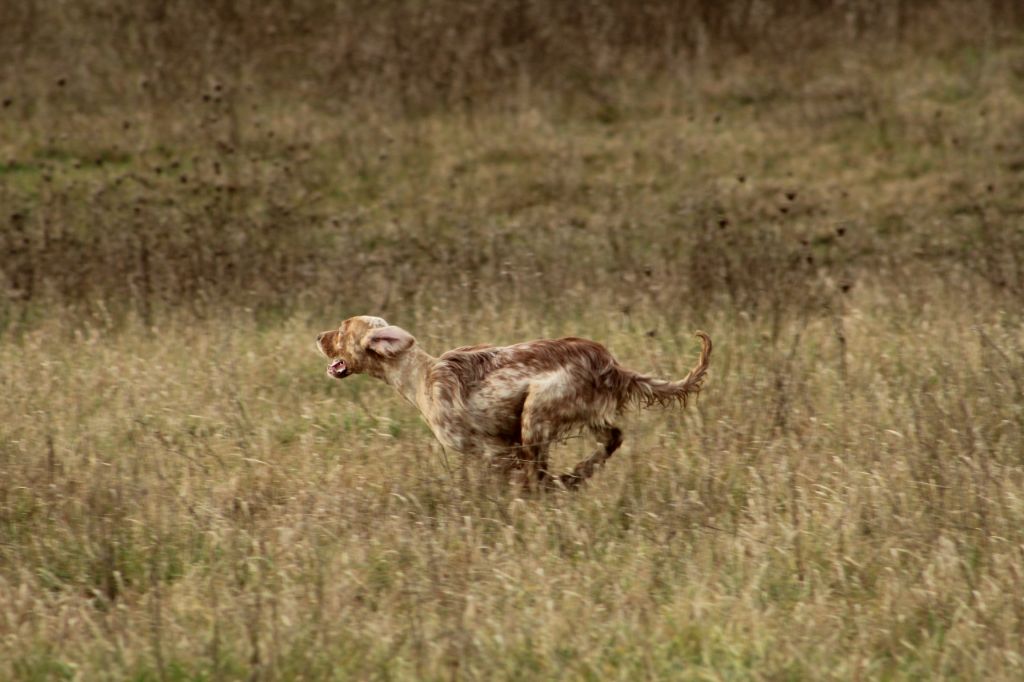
x=337, y=365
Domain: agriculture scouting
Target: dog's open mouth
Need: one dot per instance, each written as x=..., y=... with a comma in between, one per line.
x=338, y=369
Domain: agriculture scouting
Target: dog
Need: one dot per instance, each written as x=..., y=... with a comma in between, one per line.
x=509, y=404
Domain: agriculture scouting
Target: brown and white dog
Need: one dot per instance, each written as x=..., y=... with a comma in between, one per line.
x=508, y=403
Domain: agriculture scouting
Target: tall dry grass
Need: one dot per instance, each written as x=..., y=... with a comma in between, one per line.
x=191, y=191
x=200, y=502
x=418, y=56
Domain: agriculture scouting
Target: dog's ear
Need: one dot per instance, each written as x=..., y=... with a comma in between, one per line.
x=387, y=341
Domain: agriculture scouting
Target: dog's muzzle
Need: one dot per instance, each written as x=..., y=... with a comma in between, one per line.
x=338, y=369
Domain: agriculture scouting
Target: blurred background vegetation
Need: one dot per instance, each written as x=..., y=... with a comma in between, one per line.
x=159, y=154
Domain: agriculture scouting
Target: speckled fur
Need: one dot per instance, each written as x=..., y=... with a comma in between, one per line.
x=510, y=403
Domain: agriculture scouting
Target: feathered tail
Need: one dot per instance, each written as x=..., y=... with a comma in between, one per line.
x=646, y=391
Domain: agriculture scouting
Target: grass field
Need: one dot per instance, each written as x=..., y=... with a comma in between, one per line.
x=185, y=496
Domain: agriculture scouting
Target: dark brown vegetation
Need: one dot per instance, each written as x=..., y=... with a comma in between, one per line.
x=190, y=191
x=177, y=152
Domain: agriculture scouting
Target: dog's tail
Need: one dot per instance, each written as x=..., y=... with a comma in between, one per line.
x=646, y=391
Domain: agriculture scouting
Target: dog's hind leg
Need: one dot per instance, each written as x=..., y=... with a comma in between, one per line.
x=533, y=459
x=537, y=432
x=610, y=438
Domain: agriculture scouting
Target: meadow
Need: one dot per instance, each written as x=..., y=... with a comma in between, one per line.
x=184, y=495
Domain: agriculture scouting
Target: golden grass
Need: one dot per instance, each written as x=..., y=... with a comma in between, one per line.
x=199, y=501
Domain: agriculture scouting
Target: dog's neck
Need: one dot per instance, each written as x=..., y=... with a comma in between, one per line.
x=408, y=375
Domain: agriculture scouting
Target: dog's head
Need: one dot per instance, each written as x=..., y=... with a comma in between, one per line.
x=363, y=345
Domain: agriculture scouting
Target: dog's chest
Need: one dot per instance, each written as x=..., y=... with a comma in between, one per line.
x=454, y=433
x=479, y=422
